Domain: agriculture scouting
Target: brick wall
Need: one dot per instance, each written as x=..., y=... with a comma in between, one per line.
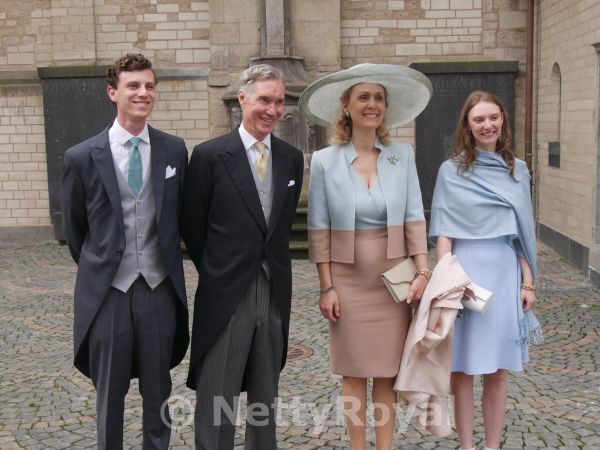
x=40, y=33
x=235, y=37
x=315, y=35
x=432, y=30
x=403, y=32
x=182, y=109
x=37, y=33
x=218, y=37
x=23, y=176
x=568, y=195
x=25, y=34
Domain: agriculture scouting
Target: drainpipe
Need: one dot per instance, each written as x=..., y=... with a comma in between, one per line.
x=529, y=87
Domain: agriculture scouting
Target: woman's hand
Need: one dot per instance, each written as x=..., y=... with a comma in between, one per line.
x=527, y=287
x=330, y=305
x=528, y=299
x=417, y=287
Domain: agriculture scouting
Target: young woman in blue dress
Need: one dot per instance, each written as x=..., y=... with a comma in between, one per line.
x=482, y=213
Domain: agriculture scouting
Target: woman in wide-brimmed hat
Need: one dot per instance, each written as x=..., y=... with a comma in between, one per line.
x=365, y=215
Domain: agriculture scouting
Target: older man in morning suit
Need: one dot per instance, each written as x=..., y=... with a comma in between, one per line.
x=241, y=194
x=121, y=200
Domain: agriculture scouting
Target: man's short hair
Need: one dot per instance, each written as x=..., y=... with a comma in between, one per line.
x=256, y=73
x=128, y=63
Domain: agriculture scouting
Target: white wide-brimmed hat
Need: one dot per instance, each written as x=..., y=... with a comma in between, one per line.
x=408, y=92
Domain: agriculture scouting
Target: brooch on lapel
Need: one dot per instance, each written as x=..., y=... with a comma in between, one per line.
x=393, y=159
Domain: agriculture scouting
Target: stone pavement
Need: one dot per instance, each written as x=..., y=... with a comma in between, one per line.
x=46, y=404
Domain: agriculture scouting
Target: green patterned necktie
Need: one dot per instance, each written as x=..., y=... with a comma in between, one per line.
x=134, y=174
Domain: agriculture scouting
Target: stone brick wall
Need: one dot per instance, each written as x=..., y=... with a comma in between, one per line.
x=23, y=176
x=235, y=37
x=181, y=109
x=217, y=37
x=25, y=34
x=568, y=195
x=315, y=35
x=40, y=32
x=396, y=31
x=432, y=30
x=174, y=34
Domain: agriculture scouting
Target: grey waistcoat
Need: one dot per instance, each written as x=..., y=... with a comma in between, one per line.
x=265, y=194
x=264, y=187
x=142, y=254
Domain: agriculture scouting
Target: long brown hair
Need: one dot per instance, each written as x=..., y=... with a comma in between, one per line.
x=464, y=144
x=341, y=129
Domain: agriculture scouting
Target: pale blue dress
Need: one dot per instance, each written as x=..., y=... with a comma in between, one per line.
x=488, y=341
x=371, y=211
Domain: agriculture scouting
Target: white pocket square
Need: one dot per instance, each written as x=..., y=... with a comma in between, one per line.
x=291, y=183
x=170, y=172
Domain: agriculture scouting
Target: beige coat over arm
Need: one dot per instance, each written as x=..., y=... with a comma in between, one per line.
x=424, y=376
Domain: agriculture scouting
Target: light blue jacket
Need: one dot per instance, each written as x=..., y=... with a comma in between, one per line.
x=331, y=203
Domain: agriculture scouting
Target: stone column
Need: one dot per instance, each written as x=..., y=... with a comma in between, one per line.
x=594, y=252
x=275, y=27
x=275, y=50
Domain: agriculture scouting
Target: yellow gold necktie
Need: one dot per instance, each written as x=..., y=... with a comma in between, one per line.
x=261, y=161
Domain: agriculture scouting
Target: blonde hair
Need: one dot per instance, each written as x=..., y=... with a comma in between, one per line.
x=341, y=130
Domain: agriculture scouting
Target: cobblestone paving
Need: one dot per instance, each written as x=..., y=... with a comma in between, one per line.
x=46, y=404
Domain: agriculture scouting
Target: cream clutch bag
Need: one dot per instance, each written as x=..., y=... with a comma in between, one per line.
x=476, y=298
x=398, y=279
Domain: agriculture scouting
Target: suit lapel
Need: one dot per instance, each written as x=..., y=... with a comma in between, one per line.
x=158, y=161
x=105, y=165
x=280, y=182
x=236, y=161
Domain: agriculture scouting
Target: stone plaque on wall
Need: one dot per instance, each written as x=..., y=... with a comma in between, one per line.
x=76, y=107
x=452, y=83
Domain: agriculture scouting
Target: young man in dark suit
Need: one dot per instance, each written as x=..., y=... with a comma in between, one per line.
x=121, y=201
x=240, y=198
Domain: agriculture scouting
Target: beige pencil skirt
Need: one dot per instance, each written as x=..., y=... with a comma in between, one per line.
x=368, y=338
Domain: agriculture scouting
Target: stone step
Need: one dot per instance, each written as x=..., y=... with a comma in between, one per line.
x=299, y=249
x=301, y=214
x=299, y=232
x=299, y=236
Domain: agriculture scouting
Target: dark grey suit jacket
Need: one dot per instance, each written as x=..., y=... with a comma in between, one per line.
x=228, y=238
x=94, y=229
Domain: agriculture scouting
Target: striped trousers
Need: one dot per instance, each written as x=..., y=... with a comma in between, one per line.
x=133, y=331
x=248, y=353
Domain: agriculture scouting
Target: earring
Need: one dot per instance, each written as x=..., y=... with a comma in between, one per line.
x=500, y=135
x=347, y=114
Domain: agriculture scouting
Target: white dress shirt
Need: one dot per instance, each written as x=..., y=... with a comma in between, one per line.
x=118, y=137
x=248, y=140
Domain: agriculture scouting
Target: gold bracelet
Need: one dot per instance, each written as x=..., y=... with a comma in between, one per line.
x=425, y=273
x=527, y=287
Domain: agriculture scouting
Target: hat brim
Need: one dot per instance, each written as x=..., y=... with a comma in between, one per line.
x=408, y=92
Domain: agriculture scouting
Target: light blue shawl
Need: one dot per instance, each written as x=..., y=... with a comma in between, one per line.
x=485, y=202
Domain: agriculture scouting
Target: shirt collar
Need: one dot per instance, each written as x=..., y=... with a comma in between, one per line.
x=122, y=136
x=248, y=140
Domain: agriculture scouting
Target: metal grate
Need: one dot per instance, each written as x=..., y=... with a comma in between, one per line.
x=297, y=352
